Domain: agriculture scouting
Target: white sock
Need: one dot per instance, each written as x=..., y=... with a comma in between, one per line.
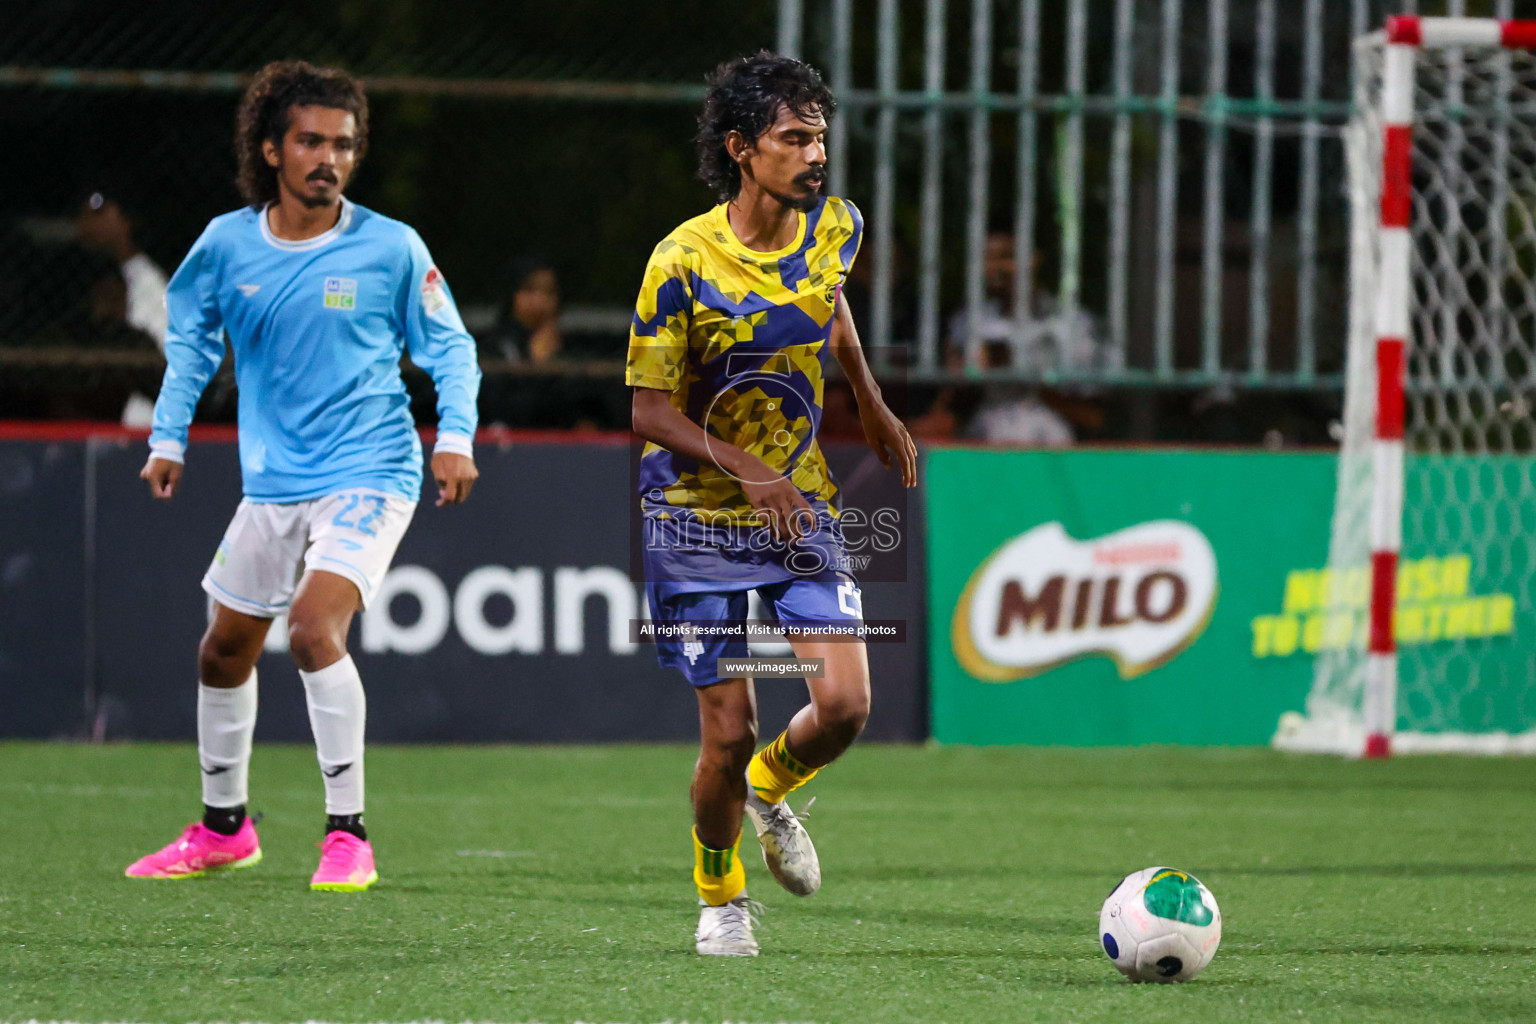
x=337, y=713
x=225, y=720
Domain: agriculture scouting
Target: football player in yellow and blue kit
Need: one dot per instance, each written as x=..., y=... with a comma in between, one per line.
x=737, y=314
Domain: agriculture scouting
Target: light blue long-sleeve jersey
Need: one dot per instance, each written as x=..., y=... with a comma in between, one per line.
x=317, y=328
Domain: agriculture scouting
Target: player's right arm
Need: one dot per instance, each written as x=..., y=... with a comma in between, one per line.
x=194, y=347
x=654, y=418
x=658, y=356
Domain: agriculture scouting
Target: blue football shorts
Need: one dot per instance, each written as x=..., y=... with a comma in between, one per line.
x=829, y=597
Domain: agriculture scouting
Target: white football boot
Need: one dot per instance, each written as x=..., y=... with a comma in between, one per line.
x=787, y=847
x=726, y=930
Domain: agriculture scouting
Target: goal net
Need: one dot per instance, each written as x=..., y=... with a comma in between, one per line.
x=1425, y=631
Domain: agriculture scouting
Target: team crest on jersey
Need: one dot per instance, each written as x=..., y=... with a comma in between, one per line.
x=340, y=293
x=434, y=295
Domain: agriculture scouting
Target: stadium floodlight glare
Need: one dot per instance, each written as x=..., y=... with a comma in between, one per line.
x=1436, y=463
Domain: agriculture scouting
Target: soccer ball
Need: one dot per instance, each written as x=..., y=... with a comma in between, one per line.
x=1160, y=924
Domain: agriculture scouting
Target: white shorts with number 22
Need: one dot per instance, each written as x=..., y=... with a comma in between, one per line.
x=267, y=548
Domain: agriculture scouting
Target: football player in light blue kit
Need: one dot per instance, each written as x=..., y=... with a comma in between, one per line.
x=319, y=297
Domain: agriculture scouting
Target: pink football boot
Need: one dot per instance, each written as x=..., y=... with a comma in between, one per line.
x=199, y=851
x=346, y=864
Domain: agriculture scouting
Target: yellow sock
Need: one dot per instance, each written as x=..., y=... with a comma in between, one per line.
x=718, y=873
x=774, y=773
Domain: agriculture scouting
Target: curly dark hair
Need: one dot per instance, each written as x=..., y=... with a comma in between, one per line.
x=744, y=96
x=264, y=114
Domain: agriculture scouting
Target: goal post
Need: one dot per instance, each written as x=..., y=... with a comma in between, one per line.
x=1428, y=643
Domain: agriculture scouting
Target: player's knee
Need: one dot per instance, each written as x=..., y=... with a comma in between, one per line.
x=730, y=749
x=732, y=757
x=222, y=662
x=845, y=714
x=314, y=645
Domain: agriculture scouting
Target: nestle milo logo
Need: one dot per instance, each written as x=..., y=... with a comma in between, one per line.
x=1138, y=596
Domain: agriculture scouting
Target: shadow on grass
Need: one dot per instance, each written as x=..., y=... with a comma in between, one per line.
x=928, y=873
x=1341, y=783
x=896, y=916
x=1415, y=1003
x=1471, y=948
x=1376, y=870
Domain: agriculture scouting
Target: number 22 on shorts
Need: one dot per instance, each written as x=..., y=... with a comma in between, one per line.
x=365, y=524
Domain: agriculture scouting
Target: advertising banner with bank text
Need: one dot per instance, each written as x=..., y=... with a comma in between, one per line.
x=1112, y=597
x=511, y=618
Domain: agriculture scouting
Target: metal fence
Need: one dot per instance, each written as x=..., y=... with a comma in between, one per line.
x=1173, y=166
x=1142, y=192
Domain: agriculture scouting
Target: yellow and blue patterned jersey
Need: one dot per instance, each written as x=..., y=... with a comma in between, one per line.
x=738, y=339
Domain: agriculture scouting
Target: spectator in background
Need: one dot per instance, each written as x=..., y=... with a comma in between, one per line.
x=858, y=292
x=106, y=228
x=1050, y=341
x=97, y=388
x=528, y=322
x=106, y=303
x=940, y=421
x=1015, y=413
x=106, y=323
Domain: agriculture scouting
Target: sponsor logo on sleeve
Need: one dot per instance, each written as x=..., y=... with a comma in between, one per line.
x=434, y=293
x=1138, y=596
x=340, y=293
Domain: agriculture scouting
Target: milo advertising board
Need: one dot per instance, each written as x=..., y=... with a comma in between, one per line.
x=1138, y=596
x=1110, y=597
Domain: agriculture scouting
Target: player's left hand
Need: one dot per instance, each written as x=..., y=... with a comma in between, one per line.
x=889, y=438
x=455, y=475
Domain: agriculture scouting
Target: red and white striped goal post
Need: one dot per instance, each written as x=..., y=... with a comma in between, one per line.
x=1405, y=36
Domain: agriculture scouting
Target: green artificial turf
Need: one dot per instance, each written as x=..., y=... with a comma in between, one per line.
x=961, y=885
